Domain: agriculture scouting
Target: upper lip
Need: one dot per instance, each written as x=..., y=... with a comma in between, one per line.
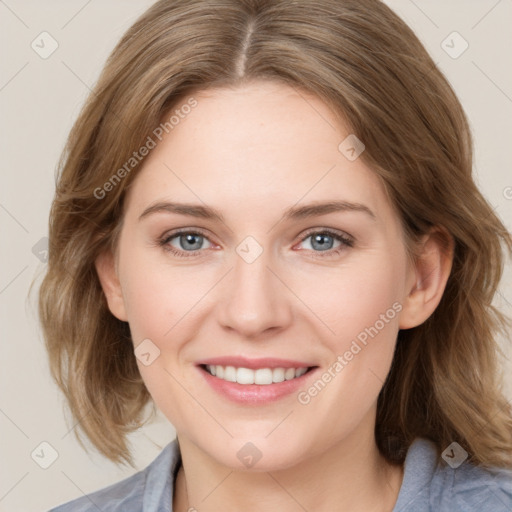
x=254, y=364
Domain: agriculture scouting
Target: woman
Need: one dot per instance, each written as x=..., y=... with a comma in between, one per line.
x=266, y=224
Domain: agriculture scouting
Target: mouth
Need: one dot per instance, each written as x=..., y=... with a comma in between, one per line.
x=260, y=376
x=255, y=381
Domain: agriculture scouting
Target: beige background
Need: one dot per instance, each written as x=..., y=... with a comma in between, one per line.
x=39, y=100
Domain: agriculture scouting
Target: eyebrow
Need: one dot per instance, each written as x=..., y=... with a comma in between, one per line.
x=293, y=213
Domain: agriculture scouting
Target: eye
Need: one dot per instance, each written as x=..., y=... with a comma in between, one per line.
x=322, y=242
x=190, y=243
x=187, y=242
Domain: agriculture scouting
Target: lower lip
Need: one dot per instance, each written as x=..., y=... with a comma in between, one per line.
x=255, y=394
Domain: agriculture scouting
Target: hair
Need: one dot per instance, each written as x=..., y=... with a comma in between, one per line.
x=367, y=65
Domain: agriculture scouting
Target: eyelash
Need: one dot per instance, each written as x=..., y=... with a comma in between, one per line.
x=345, y=240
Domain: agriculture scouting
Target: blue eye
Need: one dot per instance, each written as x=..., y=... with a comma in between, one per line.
x=320, y=239
x=323, y=241
x=190, y=243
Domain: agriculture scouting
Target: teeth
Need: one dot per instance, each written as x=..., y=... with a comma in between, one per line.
x=262, y=376
x=289, y=373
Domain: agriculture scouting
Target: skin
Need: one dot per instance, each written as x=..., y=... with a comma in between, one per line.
x=251, y=153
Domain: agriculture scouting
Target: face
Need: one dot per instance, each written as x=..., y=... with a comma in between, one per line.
x=322, y=289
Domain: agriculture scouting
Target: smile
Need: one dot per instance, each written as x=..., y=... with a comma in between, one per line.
x=261, y=376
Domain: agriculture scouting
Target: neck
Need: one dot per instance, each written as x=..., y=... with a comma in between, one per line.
x=351, y=476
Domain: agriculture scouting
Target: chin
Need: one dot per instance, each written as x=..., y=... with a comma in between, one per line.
x=257, y=454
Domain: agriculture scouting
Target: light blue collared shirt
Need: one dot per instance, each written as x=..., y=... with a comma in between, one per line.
x=429, y=485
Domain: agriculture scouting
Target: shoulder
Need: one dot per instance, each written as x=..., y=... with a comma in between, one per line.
x=431, y=484
x=125, y=495
x=148, y=489
x=470, y=487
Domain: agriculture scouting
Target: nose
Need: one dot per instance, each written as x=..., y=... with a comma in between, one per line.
x=256, y=301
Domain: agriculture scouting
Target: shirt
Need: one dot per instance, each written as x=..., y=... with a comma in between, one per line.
x=429, y=485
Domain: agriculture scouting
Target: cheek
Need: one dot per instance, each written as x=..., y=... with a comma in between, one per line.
x=353, y=297
x=144, y=307
x=370, y=333
x=158, y=300
x=362, y=309
x=157, y=297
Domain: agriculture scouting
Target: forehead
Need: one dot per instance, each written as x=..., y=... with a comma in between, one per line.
x=239, y=147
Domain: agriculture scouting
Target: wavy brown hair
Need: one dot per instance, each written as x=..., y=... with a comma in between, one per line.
x=365, y=63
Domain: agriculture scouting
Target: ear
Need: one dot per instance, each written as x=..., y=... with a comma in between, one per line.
x=107, y=272
x=427, y=278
